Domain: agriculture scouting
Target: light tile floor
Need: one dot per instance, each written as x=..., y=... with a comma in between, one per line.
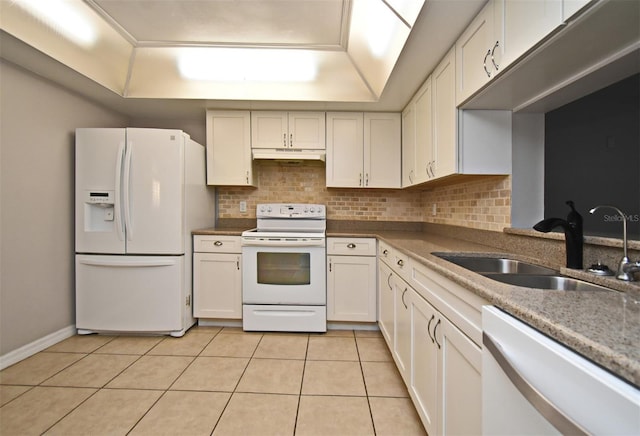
x=219, y=381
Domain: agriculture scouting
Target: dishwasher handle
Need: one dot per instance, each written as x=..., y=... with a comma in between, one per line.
x=542, y=404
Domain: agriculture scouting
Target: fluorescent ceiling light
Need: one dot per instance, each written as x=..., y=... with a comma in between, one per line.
x=247, y=64
x=63, y=17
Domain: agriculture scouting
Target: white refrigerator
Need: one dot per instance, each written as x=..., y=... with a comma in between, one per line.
x=139, y=194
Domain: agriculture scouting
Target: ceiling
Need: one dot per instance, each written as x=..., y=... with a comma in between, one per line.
x=133, y=67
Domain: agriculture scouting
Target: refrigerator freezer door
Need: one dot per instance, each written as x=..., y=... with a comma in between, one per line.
x=129, y=293
x=99, y=223
x=154, y=191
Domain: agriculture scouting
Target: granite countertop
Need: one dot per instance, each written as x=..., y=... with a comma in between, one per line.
x=602, y=326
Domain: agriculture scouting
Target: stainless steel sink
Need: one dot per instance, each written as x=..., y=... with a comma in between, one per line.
x=559, y=283
x=500, y=265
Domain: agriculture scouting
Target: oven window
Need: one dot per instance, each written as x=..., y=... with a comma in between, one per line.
x=284, y=268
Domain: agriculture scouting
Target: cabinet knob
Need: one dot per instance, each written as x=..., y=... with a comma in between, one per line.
x=400, y=262
x=351, y=245
x=385, y=252
x=218, y=243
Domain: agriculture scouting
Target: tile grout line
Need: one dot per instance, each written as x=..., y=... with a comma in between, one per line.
x=364, y=381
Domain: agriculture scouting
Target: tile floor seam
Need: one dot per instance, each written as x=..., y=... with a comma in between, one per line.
x=72, y=410
x=145, y=413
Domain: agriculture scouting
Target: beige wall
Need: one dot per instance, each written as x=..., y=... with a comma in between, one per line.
x=37, y=121
x=483, y=203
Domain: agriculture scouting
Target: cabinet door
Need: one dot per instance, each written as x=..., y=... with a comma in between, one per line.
x=382, y=149
x=461, y=375
x=424, y=381
x=269, y=129
x=217, y=285
x=351, y=288
x=307, y=130
x=386, y=302
x=408, y=145
x=423, y=133
x=445, y=117
x=526, y=23
x=229, y=148
x=344, y=149
x=402, y=329
x=474, y=66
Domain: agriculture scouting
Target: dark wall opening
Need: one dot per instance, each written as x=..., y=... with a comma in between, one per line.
x=592, y=156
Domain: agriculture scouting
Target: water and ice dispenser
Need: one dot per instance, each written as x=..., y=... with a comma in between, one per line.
x=99, y=211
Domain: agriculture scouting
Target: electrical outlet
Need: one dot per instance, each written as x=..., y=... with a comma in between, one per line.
x=434, y=209
x=243, y=206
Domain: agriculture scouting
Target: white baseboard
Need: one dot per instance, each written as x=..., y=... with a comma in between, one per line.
x=36, y=346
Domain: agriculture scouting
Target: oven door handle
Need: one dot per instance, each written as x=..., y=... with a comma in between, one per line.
x=315, y=242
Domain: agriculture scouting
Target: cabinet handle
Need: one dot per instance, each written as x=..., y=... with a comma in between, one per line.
x=484, y=63
x=402, y=298
x=238, y=263
x=433, y=165
x=493, y=59
x=400, y=263
x=429, y=328
x=330, y=266
x=351, y=245
x=435, y=329
x=360, y=182
x=366, y=179
x=410, y=178
x=247, y=177
x=291, y=140
x=389, y=282
x=217, y=243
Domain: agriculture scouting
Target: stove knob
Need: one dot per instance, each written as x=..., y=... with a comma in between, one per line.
x=261, y=208
x=269, y=209
x=312, y=209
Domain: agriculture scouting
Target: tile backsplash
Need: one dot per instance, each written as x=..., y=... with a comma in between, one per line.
x=482, y=203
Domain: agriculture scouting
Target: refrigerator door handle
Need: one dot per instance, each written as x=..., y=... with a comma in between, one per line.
x=117, y=203
x=127, y=204
x=127, y=262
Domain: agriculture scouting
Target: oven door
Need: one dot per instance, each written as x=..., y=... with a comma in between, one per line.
x=286, y=273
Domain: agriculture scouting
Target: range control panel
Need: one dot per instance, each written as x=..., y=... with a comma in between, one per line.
x=299, y=211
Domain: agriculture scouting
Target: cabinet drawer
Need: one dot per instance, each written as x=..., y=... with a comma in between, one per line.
x=461, y=306
x=216, y=244
x=385, y=252
x=352, y=246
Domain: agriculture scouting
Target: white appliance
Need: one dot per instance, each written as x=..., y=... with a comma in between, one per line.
x=139, y=194
x=536, y=386
x=284, y=286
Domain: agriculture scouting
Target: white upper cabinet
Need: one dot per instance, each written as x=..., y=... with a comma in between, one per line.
x=229, y=148
x=526, y=23
x=440, y=140
x=445, y=138
x=417, y=137
x=478, y=52
x=382, y=149
x=294, y=130
x=363, y=150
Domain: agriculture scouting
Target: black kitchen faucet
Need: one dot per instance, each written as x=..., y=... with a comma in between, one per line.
x=573, y=235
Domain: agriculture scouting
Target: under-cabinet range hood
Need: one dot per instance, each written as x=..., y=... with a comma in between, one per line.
x=287, y=154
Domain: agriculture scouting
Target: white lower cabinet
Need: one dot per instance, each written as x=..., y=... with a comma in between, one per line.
x=446, y=380
x=351, y=279
x=402, y=327
x=217, y=277
x=438, y=361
